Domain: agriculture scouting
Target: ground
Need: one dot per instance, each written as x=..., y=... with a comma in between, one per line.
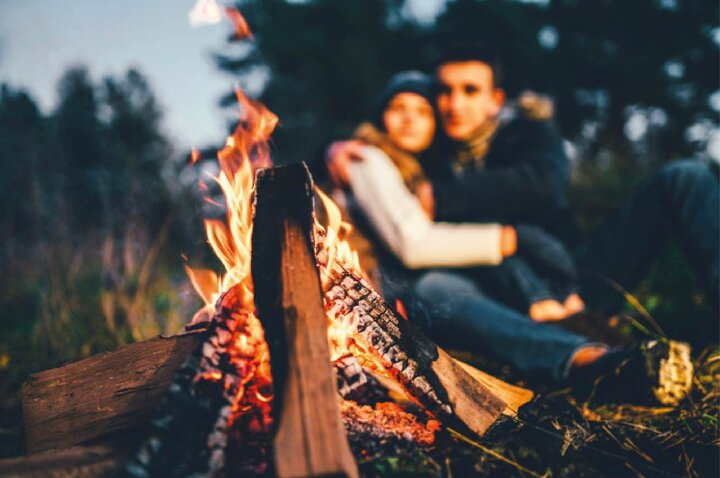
x=564, y=433
x=557, y=434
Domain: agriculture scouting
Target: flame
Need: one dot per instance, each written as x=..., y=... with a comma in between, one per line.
x=400, y=307
x=242, y=30
x=336, y=246
x=194, y=156
x=246, y=150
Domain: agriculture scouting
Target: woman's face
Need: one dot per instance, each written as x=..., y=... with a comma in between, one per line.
x=410, y=122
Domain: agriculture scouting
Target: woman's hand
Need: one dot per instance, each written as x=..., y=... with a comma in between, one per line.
x=424, y=193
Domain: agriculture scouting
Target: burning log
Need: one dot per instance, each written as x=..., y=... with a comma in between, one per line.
x=385, y=341
x=288, y=298
x=190, y=428
x=426, y=371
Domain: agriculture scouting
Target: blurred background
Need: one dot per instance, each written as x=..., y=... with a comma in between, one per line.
x=100, y=103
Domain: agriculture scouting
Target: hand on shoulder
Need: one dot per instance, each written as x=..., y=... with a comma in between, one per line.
x=339, y=156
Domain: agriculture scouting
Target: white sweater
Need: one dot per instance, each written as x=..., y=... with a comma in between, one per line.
x=401, y=223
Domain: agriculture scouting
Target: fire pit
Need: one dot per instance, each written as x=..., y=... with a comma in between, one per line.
x=282, y=366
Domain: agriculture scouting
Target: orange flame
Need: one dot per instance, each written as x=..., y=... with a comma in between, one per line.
x=194, y=155
x=246, y=150
x=337, y=248
x=242, y=30
x=400, y=307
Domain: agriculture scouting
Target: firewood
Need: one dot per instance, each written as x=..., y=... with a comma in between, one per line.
x=217, y=385
x=102, y=394
x=514, y=396
x=350, y=375
x=78, y=461
x=423, y=369
x=310, y=438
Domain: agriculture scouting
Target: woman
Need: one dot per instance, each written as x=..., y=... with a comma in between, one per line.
x=389, y=186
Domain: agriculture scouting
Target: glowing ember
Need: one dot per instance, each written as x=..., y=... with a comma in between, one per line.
x=388, y=419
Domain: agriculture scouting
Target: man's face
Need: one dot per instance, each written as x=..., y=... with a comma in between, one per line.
x=467, y=98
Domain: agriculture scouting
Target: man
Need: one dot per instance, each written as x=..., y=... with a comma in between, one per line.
x=518, y=172
x=522, y=173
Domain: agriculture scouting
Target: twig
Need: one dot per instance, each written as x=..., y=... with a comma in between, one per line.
x=635, y=303
x=495, y=454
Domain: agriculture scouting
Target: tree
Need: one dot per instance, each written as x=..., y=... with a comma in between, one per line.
x=79, y=138
x=325, y=62
x=610, y=65
x=137, y=150
x=24, y=178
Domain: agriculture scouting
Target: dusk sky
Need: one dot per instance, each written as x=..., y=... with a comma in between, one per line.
x=40, y=39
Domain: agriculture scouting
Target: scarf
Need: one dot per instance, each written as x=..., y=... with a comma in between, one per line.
x=471, y=154
x=406, y=163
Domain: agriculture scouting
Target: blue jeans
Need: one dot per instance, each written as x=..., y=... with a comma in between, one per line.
x=542, y=268
x=681, y=199
x=453, y=306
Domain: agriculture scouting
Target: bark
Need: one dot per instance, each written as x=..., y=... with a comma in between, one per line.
x=310, y=438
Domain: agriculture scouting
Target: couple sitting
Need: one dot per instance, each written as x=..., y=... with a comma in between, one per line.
x=492, y=271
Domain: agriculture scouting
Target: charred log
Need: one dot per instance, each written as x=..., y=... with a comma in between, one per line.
x=427, y=372
x=189, y=428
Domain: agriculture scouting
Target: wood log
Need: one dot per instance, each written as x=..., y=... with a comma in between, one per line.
x=310, y=438
x=514, y=396
x=425, y=371
x=77, y=461
x=100, y=395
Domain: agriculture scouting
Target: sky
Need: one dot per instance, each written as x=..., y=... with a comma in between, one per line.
x=40, y=39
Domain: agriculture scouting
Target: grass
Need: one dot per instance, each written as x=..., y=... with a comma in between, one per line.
x=69, y=302
x=560, y=436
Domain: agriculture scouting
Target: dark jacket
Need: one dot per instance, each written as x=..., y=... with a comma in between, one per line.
x=524, y=180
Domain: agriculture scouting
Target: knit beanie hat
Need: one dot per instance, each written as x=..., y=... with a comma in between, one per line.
x=403, y=82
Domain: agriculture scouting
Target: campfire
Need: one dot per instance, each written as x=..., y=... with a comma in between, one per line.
x=291, y=364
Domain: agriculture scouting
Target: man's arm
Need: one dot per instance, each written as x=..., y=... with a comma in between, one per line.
x=339, y=156
x=529, y=179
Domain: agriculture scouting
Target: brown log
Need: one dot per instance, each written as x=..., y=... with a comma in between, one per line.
x=310, y=438
x=423, y=369
x=77, y=461
x=514, y=396
x=102, y=394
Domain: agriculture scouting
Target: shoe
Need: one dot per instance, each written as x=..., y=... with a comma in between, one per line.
x=650, y=372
